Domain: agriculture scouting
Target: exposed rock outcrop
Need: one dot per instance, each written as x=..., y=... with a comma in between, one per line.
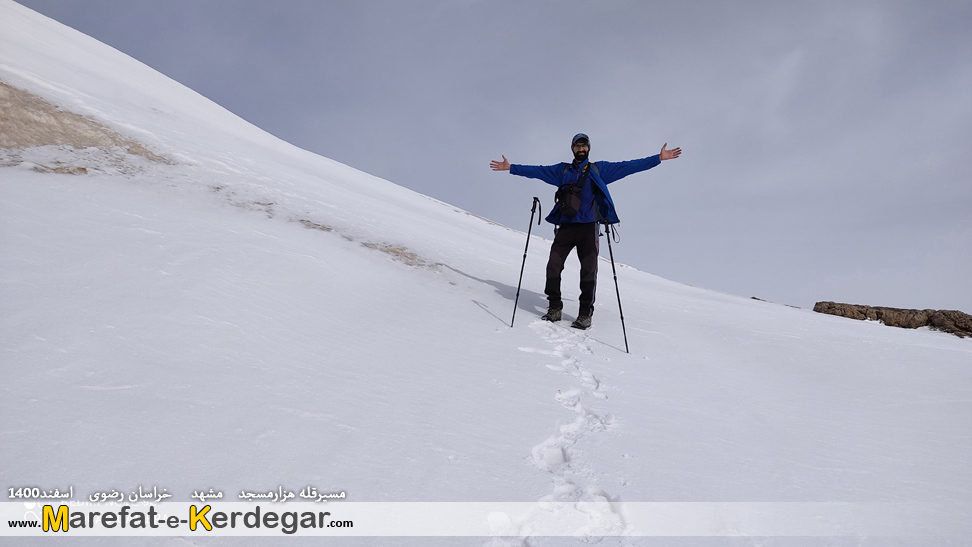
x=53, y=140
x=951, y=321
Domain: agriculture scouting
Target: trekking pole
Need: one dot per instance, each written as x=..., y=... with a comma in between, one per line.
x=616, y=289
x=536, y=203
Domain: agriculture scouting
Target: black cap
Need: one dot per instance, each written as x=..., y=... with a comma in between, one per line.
x=580, y=138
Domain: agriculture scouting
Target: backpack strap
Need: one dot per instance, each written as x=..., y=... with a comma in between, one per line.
x=584, y=173
x=589, y=164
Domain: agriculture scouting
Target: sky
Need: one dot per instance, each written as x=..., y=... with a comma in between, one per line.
x=826, y=146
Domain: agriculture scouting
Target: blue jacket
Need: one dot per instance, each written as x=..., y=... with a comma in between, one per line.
x=605, y=173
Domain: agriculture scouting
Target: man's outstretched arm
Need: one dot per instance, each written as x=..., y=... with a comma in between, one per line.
x=551, y=174
x=500, y=165
x=612, y=171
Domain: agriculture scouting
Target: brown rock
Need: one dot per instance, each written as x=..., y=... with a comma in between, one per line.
x=28, y=121
x=951, y=321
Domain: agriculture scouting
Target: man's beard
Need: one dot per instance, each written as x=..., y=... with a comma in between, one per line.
x=580, y=156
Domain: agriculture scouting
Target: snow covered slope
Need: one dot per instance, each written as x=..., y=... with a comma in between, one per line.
x=228, y=311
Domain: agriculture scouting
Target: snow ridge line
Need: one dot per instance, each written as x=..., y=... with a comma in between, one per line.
x=576, y=500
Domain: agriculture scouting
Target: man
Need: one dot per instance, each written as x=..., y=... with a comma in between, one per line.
x=577, y=220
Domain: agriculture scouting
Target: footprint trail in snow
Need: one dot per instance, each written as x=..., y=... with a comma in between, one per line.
x=576, y=503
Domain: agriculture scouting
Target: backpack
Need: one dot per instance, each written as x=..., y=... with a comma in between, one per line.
x=568, y=196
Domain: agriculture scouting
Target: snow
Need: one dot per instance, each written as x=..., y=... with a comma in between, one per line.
x=244, y=314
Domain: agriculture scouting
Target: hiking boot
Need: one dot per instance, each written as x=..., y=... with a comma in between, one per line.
x=583, y=322
x=552, y=315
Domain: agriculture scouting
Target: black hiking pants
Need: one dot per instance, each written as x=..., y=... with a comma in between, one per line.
x=583, y=236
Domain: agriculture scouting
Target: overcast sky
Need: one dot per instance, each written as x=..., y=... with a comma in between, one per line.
x=827, y=146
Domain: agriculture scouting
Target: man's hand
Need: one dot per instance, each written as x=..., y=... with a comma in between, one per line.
x=500, y=165
x=667, y=154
